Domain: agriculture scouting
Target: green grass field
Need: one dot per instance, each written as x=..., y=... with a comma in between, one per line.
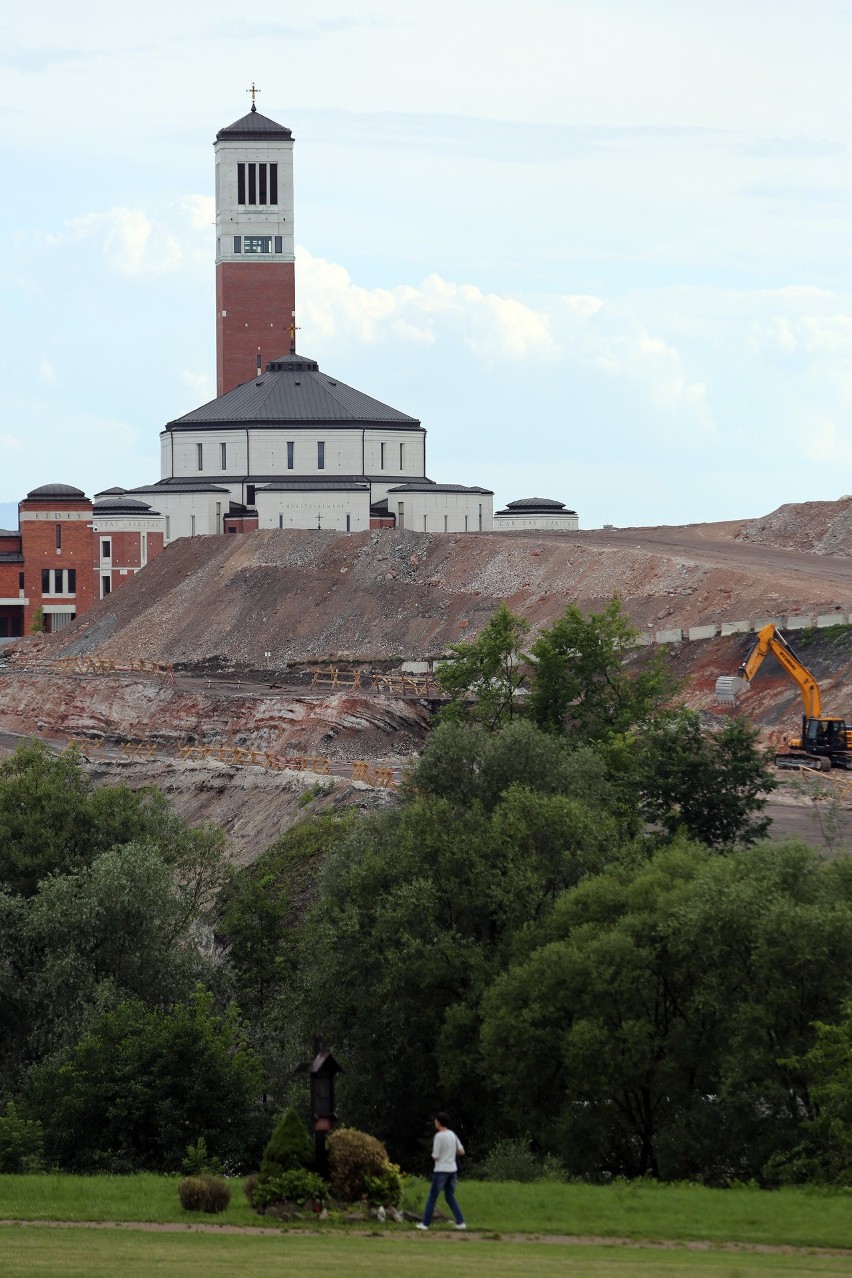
x=45, y=1252
x=642, y=1210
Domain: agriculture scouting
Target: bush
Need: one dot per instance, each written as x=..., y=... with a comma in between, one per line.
x=204, y=1193
x=385, y=1190
x=295, y=1186
x=352, y=1157
x=250, y=1188
x=515, y=1160
x=21, y=1142
x=199, y=1162
x=289, y=1147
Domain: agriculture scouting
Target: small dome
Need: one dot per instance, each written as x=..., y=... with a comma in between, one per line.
x=535, y=503
x=56, y=490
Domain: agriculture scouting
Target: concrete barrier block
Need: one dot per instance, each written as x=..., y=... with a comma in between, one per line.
x=799, y=622
x=830, y=619
x=702, y=632
x=777, y=622
x=641, y=641
x=415, y=667
x=735, y=627
x=669, y=636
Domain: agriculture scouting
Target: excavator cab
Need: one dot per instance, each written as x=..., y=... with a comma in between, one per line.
x=825, y=736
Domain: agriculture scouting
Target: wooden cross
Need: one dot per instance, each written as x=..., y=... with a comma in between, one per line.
x=294, y=328
x=254, y=92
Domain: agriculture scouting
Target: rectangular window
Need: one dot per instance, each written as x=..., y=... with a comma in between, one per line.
x=273, y=184
x=280, y=521
x=238, y=243
x=252, y=184
x=480, y=516
x=250, y=494
x=402, y=457
x=168, y=527
x=321, y=456
x=106, y=586
x=381, y=456
x=348, y=523
x=57, y=581
x=424, y=523
x=199, y=455
x=143, y=549
x=223, y=456
x=279, y=244
x=58, y=536
x=192, y=525
x=261, y=198
x=465, y=523
x=445, y=523
x=20, y=581
x=291, y=450
x=45, y=581
x=241, y=185
x=219, y=513
x=401, y=515
x=106, y=548
x=72, y=582
x=257, y=244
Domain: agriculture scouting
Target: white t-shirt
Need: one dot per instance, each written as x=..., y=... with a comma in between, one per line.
x=444, y=1148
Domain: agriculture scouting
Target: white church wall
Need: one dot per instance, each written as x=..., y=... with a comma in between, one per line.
x=440, y=512
x=343, y=511
x=382, y=455
x=264, y=219
x=188, y=514
x=562, y=522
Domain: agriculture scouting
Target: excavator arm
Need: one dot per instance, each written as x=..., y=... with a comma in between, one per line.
x=730, y=687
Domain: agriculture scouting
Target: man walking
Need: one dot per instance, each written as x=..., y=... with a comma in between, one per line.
x=445, y=1148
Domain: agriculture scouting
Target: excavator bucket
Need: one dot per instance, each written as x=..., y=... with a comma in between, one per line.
x=729, y=688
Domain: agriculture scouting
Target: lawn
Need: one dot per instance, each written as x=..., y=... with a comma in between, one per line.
x=640, y=1210
x=44, y=1252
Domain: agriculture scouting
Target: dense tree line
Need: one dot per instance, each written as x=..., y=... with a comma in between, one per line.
x=568, y=930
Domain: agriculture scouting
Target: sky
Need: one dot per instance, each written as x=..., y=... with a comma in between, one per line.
x=602, y=250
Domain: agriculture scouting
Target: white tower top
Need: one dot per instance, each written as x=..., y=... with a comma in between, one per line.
x=254, y=189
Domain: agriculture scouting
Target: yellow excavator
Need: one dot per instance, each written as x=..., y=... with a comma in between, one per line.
x=825, y=742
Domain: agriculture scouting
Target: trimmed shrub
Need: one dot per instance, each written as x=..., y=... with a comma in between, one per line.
x=289, y=1146
x=352, y=1157
x=250, y=1188
x=384, y=1190
x=21, y=1142
x=204, y=1193
x=295, y=1186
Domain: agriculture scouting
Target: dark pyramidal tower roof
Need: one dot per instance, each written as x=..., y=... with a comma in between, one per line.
x=253, y=127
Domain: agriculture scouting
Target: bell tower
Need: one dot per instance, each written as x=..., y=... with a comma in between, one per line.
x=255, y=262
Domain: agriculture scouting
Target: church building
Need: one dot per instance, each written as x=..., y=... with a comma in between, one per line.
x=286, y=444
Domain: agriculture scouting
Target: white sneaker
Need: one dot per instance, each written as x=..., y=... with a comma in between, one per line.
x=420, y=1225
x=461, y=1226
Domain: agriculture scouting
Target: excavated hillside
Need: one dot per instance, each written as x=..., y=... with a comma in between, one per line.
x=246, y=620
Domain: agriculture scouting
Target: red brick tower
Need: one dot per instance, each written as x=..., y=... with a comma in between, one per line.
x=255, y=263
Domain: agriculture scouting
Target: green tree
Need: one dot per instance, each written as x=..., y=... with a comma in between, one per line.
x=486, y=674
x=652, y=1023
x=712, y=784
x=143, y=1083
x=580, y=682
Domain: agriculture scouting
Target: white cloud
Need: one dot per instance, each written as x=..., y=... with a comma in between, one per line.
x=201, y=384
x=135, y=244
x=580, y=329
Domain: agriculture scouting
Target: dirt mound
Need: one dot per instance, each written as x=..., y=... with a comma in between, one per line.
x=821, y=527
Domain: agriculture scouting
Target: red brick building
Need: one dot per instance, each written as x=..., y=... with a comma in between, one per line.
x=67, y=552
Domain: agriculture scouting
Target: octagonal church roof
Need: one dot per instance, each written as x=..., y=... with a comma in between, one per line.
x=293, y=392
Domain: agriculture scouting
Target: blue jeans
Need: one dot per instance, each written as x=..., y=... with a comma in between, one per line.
x=447, y=1182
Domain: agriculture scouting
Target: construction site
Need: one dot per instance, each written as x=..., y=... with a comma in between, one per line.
x=250, y=676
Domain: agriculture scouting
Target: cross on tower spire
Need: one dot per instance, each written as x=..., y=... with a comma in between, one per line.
x=254, y=92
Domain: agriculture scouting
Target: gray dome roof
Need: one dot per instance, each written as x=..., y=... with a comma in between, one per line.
x=294, y=392
x=535, y=503
x=56, y=490
x=121, y=504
